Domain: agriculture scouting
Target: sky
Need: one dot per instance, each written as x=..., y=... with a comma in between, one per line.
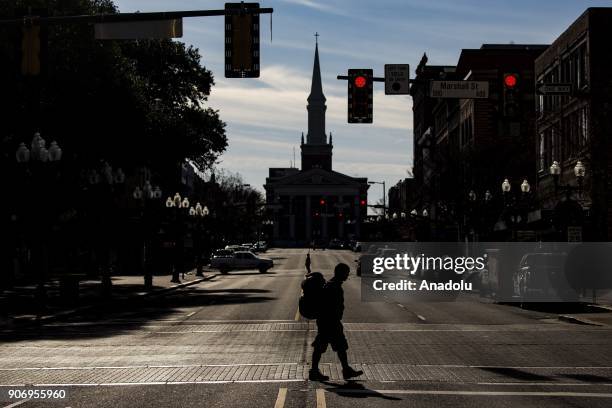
x=266, y=116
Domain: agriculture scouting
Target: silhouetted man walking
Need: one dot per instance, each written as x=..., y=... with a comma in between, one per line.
x=329, y=326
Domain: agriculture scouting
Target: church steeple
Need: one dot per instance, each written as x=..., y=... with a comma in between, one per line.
x=316, y=152
x=316, y=104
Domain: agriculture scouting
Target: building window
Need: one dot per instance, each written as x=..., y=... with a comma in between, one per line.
x=542, y=152
x=583, y=127
x=581, y=67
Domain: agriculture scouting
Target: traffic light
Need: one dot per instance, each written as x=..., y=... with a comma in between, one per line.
x=363, y=202
x=511, y=99
x=322, y=202
x=30, y=50
x=360, y=95
x=241, y=41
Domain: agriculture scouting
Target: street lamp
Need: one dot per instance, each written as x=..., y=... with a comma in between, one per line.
x=39, y=177
x=472, y=196
x=178, y=205
x=579, y=173
x=525, y=187
x=506, y=187
x=146, y=194
x=198, y=214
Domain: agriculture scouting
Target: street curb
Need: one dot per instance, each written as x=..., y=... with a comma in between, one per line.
x=576, y=320
x=64, y=313
x=601, y=308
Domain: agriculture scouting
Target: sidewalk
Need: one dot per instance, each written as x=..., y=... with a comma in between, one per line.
x=17, y=305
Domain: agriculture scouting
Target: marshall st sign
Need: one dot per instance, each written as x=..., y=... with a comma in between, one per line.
x=460, y=89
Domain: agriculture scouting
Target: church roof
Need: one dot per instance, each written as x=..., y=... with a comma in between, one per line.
x=318, y=177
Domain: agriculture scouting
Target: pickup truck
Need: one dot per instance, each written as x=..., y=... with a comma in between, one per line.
x=241, y=260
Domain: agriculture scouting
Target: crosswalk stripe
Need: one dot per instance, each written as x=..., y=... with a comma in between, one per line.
x=321, y=398
x=280, y=399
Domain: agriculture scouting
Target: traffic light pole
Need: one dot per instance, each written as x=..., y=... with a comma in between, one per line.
x=374, y=79
x=130, y=17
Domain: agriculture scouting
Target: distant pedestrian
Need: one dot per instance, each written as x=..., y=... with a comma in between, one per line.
x=329, y=327
x=307, y=263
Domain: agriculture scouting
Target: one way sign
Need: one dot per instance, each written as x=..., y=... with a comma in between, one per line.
x=553, y=89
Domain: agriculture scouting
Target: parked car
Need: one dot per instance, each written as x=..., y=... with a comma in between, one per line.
x=241, y=260
x=541, y=276
x=238, y=247
x=335, y=244
x=222, y=253
x=260, y=246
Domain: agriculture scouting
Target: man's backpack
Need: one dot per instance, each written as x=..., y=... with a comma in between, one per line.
x=310, y=303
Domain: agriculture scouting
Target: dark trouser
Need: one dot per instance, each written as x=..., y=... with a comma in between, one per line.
x=329, y=332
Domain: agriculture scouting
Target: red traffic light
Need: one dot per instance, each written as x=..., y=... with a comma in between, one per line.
x=510, y=81
x=322, y=202
x=363, y=203
x=360, y=81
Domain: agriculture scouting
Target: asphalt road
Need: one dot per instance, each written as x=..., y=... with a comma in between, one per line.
x=237, y=341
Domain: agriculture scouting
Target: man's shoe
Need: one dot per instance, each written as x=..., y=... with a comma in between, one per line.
x=316, y=375
x=348, y=373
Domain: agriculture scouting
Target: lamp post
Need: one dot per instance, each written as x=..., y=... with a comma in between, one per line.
x=178, y=205
x=198, y=214
x=517, y=207
x=105, y=182
x=146, y=196
x=35, y=163
x=569, y=213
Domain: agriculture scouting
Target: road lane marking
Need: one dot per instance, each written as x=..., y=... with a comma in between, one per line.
x=191, y=314
x=479, y=393
x=280, y=399
x=297, y=315
x=15, y=404
x=421, y=318
x=321, y=398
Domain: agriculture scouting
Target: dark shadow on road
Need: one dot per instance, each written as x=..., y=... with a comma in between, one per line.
x=560, y=307
x=125, y=315
x=516, y=374
x=589, y=378
x=354, y=389
x=237, y=273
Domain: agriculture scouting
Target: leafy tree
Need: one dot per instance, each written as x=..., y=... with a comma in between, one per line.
x=128, y=102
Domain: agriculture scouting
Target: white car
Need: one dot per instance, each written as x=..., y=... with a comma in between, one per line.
x=241, y=260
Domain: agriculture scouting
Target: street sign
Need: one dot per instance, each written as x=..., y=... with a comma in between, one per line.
x=136, y=30
x=553, y=89
x=397, y=79
x=460, y=89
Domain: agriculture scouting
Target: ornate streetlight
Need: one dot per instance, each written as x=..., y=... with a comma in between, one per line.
x=145, y=196
x=33, y=161
x=179, y=205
